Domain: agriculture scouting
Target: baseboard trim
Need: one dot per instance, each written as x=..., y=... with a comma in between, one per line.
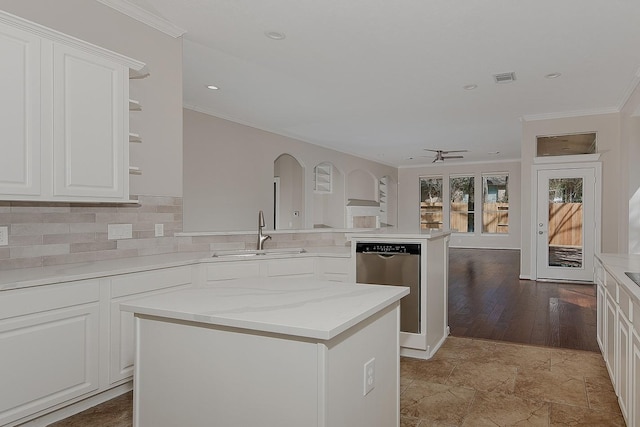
x=82, y=405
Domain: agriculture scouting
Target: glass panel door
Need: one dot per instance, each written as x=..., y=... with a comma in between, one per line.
x=565, y=226
x=566, y=217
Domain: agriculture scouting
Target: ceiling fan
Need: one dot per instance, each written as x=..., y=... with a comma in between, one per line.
x=440, y=155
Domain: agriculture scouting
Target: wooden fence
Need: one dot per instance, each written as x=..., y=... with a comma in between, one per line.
x=565, y=224
x=565, y=220
x=495, y=217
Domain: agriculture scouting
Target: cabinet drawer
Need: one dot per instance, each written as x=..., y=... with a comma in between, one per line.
x=290, y=267
x=624, y=301
x=135, y=283
x=610, y=283
x=43, y=298
x=232, y=270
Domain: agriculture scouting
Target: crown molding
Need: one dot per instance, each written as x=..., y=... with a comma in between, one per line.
x=568, y=114
x=57, y=36
x=144, y=16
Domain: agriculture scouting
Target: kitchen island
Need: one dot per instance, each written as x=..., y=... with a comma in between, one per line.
x=285, y=352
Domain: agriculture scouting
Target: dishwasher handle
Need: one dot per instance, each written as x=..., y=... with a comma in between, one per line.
x=384, y=254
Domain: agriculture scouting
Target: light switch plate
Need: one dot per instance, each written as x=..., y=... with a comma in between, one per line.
x=159, y=230
x=4, y=235
x=119, y=231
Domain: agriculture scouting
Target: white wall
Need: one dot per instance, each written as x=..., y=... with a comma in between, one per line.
x=409, y=201
x=607, y=127
x=629, y=230
x=228, y=172
x=160, y=122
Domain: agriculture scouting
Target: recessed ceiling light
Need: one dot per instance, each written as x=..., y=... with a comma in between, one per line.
x=552, y=75
x=470, y=87
x=275, y=35
x=212, y=87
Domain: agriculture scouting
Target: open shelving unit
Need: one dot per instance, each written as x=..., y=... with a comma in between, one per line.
x=135, y=106
x=323, y=176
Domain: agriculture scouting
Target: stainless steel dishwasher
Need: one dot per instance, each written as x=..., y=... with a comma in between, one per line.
x=396, y=264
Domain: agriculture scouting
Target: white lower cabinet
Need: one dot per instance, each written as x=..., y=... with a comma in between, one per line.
x=623, y=359
x=619, y=339
x=49, y=347
x=334, y=269
x=324, y=268
x=292, y=267
x=127, y=287
x=634, y=397
x=610, y=324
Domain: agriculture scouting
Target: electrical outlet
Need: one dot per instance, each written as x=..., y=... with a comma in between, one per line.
x=369, y=376
x=159, y=230
x=4, y=235
x=119, y=231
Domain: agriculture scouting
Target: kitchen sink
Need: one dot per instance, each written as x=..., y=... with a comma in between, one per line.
x=253, y=252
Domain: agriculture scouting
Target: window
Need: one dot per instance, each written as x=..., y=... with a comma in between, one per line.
x=462, y=203
x=431, y=203
x=495, y=204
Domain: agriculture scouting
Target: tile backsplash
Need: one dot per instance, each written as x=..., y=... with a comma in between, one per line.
x=43, y=234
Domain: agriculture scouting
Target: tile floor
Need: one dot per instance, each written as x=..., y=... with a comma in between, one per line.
x=471, y=382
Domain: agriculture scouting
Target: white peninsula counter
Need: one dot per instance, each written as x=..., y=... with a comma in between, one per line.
x=272, y=352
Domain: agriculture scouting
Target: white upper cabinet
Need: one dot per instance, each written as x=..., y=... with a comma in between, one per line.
x=64, y=116
x=19, y=111
x=90, y=125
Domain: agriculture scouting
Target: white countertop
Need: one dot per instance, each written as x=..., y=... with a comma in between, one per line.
x=39, y=276
x=389, y=235
x=617, y=265
x=292, y=306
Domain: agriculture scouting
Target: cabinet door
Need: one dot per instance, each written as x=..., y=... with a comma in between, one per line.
x=49, y=347
x=623, y=356
x=20, y=112
x=610, y=338
x=90, y=126
x=600, y=313
x=122, y=337
x=634, y=409
x=133, y=286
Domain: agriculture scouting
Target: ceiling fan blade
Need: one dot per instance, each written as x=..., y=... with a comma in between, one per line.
x=429, y=149
x=454, y=151
x=453, y=157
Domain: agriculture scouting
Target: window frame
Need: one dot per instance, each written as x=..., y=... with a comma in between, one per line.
x=484, y=175
x=474, y=178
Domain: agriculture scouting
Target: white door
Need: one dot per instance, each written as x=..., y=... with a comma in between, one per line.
x=566, y=226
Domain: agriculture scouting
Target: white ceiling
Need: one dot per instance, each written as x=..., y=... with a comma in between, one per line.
x=383, y=79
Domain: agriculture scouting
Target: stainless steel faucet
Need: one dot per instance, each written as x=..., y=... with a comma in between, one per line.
x=261, y=237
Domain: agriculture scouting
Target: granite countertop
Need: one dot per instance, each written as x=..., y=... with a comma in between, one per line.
x=617, y=265
x=292, y=306
x=39, y=276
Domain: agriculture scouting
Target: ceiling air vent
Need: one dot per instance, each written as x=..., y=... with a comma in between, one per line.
x=504, y=77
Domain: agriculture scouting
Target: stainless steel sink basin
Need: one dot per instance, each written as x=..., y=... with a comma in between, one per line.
x=253, y=252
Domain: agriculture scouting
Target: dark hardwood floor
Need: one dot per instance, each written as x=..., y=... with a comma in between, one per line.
x=488, y=300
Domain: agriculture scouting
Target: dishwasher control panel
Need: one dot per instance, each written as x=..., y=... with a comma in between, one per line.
x=388, y=248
